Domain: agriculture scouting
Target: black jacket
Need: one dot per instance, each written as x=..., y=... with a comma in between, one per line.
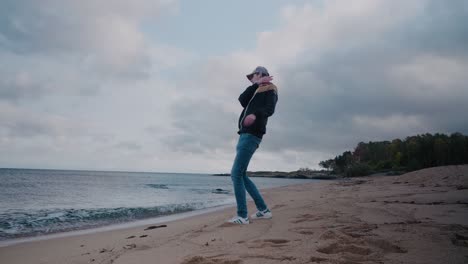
x=260, y=101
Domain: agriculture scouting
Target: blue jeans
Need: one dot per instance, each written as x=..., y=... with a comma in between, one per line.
x=245, y=149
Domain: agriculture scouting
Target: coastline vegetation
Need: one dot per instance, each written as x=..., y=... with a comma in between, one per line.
x=400, y=156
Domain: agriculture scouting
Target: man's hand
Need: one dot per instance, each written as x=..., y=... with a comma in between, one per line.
x=264, y=79
x=249, y=120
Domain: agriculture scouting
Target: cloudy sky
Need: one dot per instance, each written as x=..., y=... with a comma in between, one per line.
x=152, y=85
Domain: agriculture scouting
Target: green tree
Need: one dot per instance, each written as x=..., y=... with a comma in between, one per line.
x=458, y=150
x=441, y=151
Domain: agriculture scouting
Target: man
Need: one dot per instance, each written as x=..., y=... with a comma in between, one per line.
x=259, y=101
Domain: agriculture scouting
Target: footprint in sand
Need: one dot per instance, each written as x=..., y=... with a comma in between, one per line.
x=331, y=235
x=275, y=241
x=357, y=231
x=278, y=206
x=269, y=257
x=206, y=260
x=385, y=246
x=302, y=230
x=227, y=224
x=305, y=218
x=356, y=244
x=317, y=259
x=336, y=248
x=262, y=243
x=460, y=240
x=130, y=237
x=130, y=246
x=347, y=262
x=320, y=260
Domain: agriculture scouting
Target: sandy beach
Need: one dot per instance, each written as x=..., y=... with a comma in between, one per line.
x=419, y=217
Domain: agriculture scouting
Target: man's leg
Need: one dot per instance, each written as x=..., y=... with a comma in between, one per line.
x=253, y=191
x=250, y=185
x=245, y=150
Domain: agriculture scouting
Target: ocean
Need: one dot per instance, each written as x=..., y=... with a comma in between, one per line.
x=38, y=202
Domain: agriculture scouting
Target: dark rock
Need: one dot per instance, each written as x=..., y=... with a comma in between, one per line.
x=154, y=227
x=220, y=191
x=460, y=240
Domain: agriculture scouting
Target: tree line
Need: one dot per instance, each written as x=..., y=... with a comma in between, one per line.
x=413, y=153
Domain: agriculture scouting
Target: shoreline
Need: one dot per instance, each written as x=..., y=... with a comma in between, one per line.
x=126, y=225
x=419, y=217
x=49, y=217
x=114, y=226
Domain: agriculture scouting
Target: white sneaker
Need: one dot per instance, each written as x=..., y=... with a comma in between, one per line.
x=239, y=220
x=265, y=214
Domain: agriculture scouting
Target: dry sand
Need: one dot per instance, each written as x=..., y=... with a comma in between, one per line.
x=420, y=217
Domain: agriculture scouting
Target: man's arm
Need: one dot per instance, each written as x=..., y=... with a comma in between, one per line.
x=270, y=103
x=245, y=97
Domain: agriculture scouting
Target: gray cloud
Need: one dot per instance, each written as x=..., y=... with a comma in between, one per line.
x=29, y=26
x=128, y=145
x=382, y=77
x=200, y=126
x=17, y=122
x=68, y=47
